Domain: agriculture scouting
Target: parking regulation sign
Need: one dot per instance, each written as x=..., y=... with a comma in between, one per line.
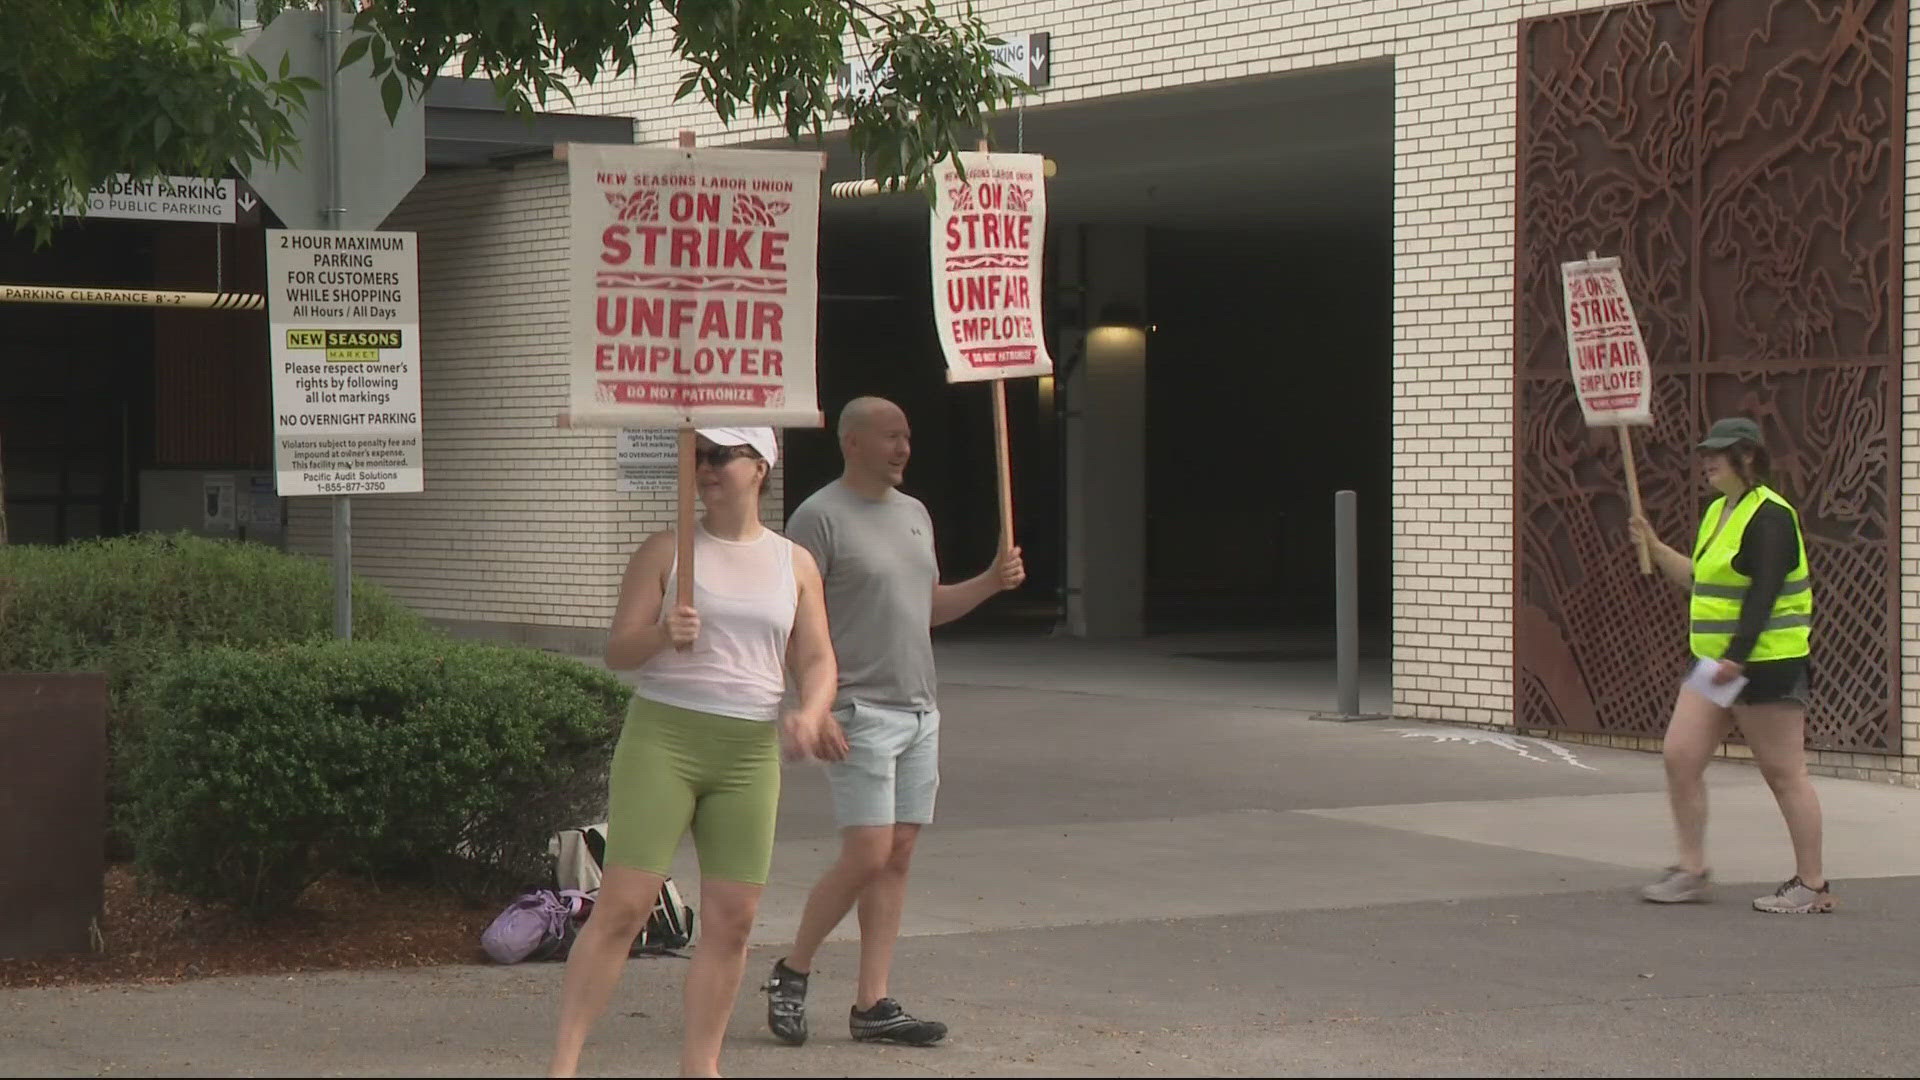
x=343, y=312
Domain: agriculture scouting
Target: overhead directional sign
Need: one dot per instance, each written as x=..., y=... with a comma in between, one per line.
x=1026, y=56
x=174, y=198
x=162, y=198
x=379, y=161
x=246, y=204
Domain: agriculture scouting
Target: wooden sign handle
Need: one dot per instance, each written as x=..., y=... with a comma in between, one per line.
x=1002, y=453
x=684, y=524
x=1003, y=464
x=1633, y=496
x=1633, y=476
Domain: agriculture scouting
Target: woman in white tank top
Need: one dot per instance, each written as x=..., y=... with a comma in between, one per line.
x=702, y=743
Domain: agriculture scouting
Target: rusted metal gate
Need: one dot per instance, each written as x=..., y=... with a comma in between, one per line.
x=1744, y=158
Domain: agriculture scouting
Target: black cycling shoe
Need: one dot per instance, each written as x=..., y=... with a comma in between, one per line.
x=786, y=991
x=888, y=1022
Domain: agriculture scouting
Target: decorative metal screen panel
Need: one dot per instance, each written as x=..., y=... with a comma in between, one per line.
x=1744, y=160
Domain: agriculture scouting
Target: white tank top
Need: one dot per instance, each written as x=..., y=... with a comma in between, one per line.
x=746, y=595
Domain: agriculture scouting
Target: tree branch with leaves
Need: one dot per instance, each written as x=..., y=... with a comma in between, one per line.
x=92, y=88
x=761, y=58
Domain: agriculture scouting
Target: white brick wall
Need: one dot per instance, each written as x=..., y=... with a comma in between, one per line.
x=522, y=501
x=1453, y=240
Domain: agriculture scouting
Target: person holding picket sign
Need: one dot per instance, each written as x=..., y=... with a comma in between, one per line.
x=1751, y=616
x=703, y=739
x=875, y=546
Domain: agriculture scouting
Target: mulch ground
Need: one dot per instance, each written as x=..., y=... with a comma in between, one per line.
x=154, y=937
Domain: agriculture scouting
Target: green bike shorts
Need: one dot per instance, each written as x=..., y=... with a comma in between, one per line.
x=676, y=768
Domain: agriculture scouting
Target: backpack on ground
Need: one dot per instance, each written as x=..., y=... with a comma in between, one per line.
x=540, y=925
x=670, y=927
x=579, y=856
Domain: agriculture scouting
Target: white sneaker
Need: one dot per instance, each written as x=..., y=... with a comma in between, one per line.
x=1794, y=898
x=1678, y=887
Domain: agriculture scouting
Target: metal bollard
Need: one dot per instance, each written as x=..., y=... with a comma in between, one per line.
x=1346, y=586
x=1346, y=607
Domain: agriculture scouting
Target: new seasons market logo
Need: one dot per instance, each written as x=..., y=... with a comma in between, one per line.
x=345, y=346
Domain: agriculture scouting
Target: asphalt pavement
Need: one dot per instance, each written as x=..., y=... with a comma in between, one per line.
x=1151, y=863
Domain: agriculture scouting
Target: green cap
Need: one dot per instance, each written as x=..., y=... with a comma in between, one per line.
x=1725, y=433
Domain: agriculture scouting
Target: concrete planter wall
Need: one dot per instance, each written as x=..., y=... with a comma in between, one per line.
x=53, y=811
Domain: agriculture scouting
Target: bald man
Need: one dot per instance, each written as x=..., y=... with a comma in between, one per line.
x=875, y=548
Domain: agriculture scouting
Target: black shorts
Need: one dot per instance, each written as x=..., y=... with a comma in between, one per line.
x=1770, y=681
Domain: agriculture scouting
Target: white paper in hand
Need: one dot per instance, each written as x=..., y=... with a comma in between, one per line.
x=1721, y=694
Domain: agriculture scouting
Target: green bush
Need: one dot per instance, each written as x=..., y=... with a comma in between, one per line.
x=125, y=605
x=255, y=772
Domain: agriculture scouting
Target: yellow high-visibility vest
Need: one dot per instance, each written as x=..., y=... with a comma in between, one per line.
x=1719, y=589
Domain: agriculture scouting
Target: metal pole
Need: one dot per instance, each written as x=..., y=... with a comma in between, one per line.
x=1346, y=585
x=862, y=189
x=343, y=568
x=342, y=504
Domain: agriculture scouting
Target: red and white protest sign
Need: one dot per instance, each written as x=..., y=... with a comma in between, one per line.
x=1610, y=367
x=695, y=286
x=988, y=233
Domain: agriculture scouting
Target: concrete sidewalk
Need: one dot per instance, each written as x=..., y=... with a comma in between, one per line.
x=1149, y=864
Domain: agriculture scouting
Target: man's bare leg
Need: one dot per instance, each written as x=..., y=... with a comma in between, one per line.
x=864, y=851
x=881, y=905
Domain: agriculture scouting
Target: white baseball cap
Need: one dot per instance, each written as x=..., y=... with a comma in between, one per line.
x=760, y=438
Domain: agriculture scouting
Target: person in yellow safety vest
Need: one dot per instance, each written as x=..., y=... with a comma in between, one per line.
x=1751, y=613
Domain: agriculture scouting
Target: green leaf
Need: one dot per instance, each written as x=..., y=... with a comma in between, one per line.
x=355, y=49
x=390, y=94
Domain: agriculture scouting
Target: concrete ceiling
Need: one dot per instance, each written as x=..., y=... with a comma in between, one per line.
x=467, y=127
x=1286, y=151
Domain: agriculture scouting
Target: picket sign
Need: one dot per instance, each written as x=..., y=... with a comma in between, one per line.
x=986, y=235
x=1611, y=370
x=694, y=296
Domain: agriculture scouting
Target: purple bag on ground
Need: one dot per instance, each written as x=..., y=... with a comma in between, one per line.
x=540, y=925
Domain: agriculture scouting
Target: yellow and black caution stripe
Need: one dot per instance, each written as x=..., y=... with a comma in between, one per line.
x=160, y=298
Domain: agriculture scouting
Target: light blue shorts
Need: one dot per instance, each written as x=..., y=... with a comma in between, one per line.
x=892, y=768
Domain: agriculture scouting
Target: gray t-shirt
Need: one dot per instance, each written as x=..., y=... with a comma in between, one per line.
x=878, y=561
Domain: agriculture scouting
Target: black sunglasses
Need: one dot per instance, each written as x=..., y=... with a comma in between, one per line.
x=714, y=457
